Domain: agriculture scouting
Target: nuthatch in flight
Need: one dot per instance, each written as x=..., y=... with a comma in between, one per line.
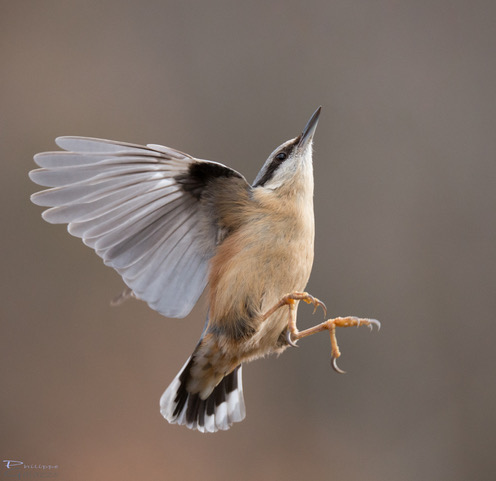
x=171, y=224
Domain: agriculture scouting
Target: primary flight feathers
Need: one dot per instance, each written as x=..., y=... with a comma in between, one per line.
x=128, y=203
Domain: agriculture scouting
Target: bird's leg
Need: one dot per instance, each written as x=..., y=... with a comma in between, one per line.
x=293, y=335
x=331, y=325
x=290, y=300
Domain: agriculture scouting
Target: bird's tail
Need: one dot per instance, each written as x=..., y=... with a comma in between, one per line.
x=224, y=405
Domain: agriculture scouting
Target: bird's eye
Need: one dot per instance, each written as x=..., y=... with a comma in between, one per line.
x=281, y=156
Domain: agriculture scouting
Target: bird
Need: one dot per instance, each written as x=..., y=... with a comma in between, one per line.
x=173, y=226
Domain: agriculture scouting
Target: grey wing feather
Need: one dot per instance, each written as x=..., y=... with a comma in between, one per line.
x=123, y=201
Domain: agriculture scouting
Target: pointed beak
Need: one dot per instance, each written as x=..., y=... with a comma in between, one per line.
x=307, y=134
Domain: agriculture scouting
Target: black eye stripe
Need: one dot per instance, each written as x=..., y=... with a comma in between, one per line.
x=283, y=154
x=276, y=162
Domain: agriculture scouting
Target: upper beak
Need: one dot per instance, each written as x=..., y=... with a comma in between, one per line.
x=307, y=134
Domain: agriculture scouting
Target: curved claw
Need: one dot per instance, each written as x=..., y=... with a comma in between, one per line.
x=370, y=323
x=335, y=366
x=289, y=340
x=376, y=323
x=318, y=303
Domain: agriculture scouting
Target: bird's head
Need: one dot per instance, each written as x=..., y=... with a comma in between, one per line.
x=291, y=163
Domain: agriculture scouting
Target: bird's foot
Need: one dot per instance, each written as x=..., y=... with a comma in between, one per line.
x=290, y=301
x=330, y=325
x=305, y=297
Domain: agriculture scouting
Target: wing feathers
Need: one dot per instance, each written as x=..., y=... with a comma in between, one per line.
x=85, y=211
x=124, y=254
x=95, y=189
x=128, y=213
x=141, y=209
x=56, y=177
x=91, y=145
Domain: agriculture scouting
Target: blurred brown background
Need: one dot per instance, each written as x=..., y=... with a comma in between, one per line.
x=405, y=209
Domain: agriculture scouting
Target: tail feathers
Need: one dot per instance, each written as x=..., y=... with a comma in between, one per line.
x=223, y=407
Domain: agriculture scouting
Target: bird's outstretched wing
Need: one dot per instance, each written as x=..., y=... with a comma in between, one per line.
x=141, y=209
